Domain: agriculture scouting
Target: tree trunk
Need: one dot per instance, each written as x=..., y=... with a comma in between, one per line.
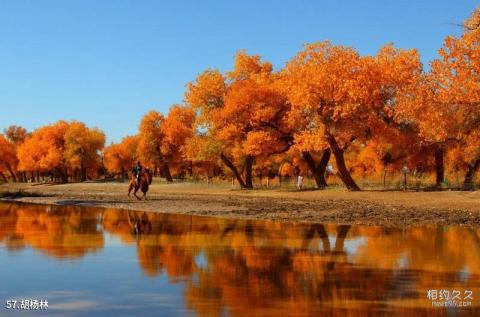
x=164, y=168
x=342, y=231
x=343, y=172
x=166, y=172
x=83, y=172
x=10, y=170
x=248, y=172
x=322, y=234
x=472, y=169
x=4, y=177
x=190, y=168
x=20, y=177
x=439, y=166
x=234, y=170
x=384, y=178
x=318, y=171
x=63, y=175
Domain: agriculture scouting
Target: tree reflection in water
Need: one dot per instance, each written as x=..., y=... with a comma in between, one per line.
x=250, y=268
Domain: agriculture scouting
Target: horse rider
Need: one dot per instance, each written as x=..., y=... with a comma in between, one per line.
x=137, y=172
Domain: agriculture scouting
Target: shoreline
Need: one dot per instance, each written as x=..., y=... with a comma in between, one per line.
x=389, y=209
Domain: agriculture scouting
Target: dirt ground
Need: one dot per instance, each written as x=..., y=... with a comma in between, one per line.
x=389, y=208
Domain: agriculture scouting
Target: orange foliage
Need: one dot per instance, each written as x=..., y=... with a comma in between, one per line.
x=177, y=128
x=8, y=158
x=150, y=139
x=120, y=157
x=43, y=150
x=82, y=148
x=62, y=148
x=162, y=139
x=340, y=98
x=244, y=114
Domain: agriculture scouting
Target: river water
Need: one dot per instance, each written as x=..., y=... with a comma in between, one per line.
x=107, y=262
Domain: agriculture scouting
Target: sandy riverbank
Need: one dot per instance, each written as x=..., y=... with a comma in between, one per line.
x=391, y=208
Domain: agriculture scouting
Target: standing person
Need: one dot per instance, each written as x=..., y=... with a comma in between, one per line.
x=137, y=172
x=300, y=182
x=298, y=173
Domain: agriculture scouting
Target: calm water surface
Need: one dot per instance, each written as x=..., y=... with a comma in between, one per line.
x=109, y=262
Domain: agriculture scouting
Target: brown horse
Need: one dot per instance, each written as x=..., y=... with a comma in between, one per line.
x=144, y=183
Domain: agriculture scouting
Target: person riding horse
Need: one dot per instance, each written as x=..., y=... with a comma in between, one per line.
x=141, y=180
x=137, y=172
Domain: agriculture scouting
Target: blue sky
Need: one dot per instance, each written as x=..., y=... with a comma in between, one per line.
x=108, y=62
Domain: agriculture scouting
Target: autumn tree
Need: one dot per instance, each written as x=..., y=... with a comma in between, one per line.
x=456, y=75
x=269, y=167
x=82, y=149
x=120, y=157
x=8, y=158
x=445, y=104
x=150, y=143
x=394, y=78
x=244, y=111
x=44, y=151
x=340, y=98
x=176, y=129
x=60, y=148
x=473, y=22
x=16, y=134
x=203, y=152
x=161, y=139
x=381, y=156
x=324, y=87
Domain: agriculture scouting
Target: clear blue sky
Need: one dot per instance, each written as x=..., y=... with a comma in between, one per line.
x=108, y=62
